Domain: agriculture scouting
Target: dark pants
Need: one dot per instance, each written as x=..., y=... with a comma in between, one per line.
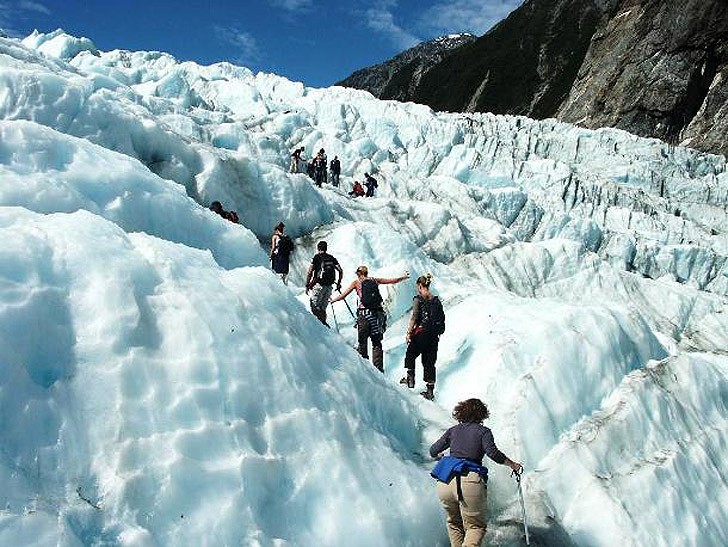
x=425, y=345
x=364, y=329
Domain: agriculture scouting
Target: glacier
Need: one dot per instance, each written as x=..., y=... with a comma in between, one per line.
x=161, y=386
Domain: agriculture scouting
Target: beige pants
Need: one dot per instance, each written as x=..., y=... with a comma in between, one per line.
x=465, y=519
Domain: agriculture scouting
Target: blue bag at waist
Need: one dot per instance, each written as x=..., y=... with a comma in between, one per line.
x=450, y=466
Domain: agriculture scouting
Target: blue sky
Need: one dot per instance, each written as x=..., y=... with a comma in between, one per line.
x=315, y=41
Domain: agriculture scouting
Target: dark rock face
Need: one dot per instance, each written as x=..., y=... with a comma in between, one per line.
x=657, y=69
x=524, y=65
x=398, y=78
x=652, y=67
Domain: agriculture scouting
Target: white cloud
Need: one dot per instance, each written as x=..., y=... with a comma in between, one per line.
x=292, y=5
x=29, y=5
x=11, y=13
x=476, y=16
x=247, y=52
x=380, y=19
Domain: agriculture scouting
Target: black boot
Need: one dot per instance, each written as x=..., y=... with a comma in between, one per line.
x=429, y=393
x=409, y=380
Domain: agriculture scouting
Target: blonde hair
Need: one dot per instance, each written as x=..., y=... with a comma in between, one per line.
x=363, y=271
x=425, y=280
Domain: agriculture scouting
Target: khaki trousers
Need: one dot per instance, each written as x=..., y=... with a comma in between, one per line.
x=466, y=520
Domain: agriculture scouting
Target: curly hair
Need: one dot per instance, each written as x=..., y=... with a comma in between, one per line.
x=471, y=411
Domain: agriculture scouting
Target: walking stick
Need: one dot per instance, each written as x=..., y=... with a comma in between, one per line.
x=517, y=475
x=333, y=312
x=347, y=306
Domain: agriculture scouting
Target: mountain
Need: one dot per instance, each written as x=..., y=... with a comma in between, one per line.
x=160, y=385
x=398, y=78
x=654, y=68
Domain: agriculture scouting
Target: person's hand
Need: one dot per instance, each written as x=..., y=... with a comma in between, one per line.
x=439, y=456
x=408, y=337
x=406, y=274
x=517, y=468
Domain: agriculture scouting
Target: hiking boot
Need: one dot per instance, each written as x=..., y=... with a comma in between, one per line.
x=408, y=380
x=429, y=393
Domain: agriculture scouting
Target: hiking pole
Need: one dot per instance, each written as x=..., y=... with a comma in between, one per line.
x=517, y=475
x=333, y=312
x=347, y=306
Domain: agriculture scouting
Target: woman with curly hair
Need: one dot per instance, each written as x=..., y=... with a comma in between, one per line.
x=464, y=499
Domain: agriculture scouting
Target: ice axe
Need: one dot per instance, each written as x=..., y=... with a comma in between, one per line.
x=517, y=475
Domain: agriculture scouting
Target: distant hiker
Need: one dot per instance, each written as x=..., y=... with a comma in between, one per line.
x=232, y=216
x=357, y=190
x=281, y=247
x=320, y=278
x=371, y=321
x=319, y=168
x=335, y=171
x=464, y=498
x=296, y=159
x=371, y=184
x=426, y=325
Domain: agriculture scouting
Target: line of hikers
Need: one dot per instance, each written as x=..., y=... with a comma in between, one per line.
x=317, y=170
x=461, y=478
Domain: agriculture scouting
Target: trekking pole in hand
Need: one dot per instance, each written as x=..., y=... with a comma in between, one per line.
x=517, y=476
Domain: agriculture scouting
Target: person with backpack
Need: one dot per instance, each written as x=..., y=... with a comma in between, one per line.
x=320, y=278
x=281, y=247
x=371, y=184
x=335, y=171
x=426, y=325
x=371, y=321
x=461, y=478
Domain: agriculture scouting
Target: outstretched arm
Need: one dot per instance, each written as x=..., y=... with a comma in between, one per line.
x=345, y=293
x=391, y=280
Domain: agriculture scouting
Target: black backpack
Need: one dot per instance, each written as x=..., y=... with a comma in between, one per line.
x=285, y=245
x=370, y=297
x=432, y=316
x=326, y=274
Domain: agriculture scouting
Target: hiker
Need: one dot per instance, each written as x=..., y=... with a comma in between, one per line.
x=357, y=190
x=296, y=159
x=335, y=171
x=320, y=279
x=371, y=184
x=281, y=247
x=232, y=216
x=426, y=325
x=319, y=166
x=464, y=498
x=310, y=169
x=371, y=321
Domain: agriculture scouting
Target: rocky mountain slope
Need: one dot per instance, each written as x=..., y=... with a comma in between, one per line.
x=654, y=68
x=399, y=77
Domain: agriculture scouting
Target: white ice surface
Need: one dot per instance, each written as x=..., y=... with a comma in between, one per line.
x=160, y=386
